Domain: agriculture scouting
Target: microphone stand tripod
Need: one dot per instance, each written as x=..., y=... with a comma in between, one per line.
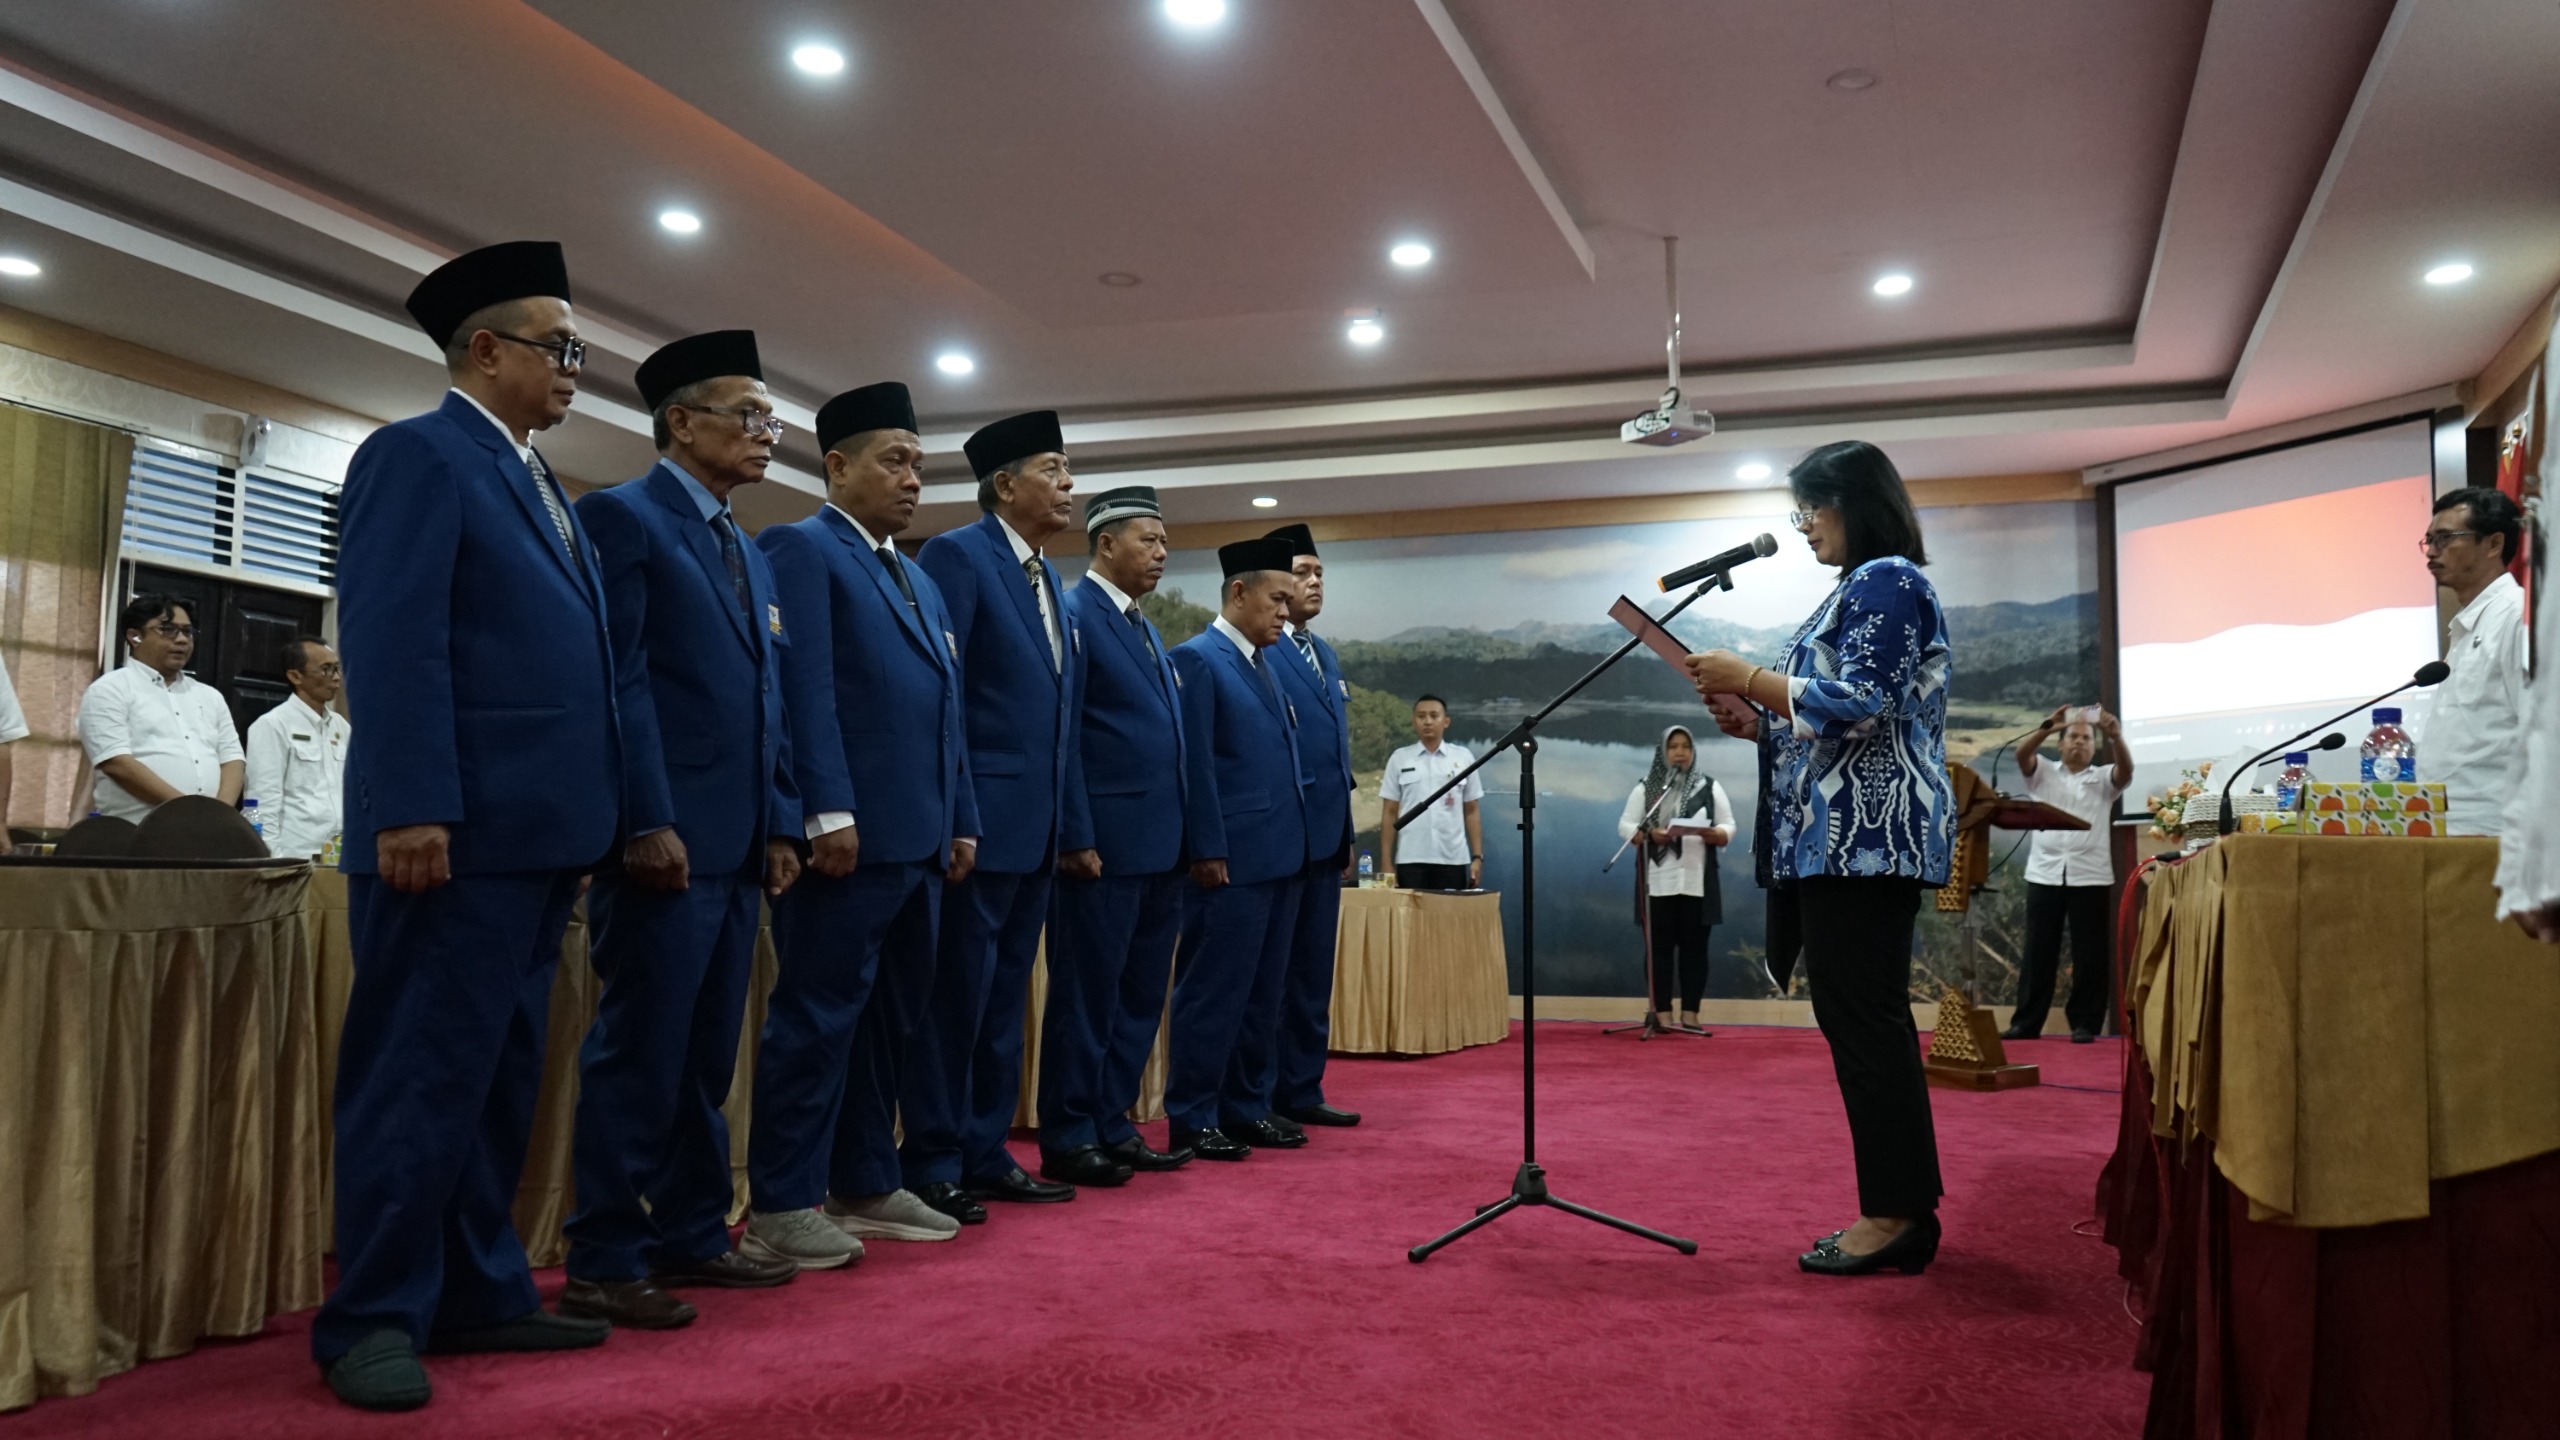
x=1652, y=1024
x=1529, y=1182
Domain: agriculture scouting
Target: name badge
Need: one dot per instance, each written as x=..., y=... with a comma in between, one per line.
x=301, y=737
x=951, y=644
x=1345, y=687
x=773, y=618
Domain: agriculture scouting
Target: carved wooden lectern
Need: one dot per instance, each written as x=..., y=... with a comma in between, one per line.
x=1965, y=1051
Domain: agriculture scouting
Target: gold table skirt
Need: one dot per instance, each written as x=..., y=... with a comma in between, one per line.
x=2344, y=1020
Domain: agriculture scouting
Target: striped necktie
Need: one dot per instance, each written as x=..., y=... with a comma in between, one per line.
x=1307, y=648
x=542, y=485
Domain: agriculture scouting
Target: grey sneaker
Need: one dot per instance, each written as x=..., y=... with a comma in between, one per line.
x=898, y=1215
x=804, y=1237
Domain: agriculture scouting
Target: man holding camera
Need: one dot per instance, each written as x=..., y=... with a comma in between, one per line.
x=2071, y=873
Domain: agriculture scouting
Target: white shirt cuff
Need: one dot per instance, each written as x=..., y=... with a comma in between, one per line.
x=828, y=820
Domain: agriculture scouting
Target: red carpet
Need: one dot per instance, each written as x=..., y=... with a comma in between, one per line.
x=1274, y=1297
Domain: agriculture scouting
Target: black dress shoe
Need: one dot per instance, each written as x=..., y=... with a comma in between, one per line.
x=953, y=1201
x=1909, y=1252
x=1137, y=1154
x=381, y=1372
x=628, y=1304
x=2083, y=1037
x=533, y=1330
x=1085, y=1165
x=1285, y=1125
x=1323, y=1115
x=727, y=1270
x=1019, y=1188
x=1211, y=1144
x=2014, y=1033
x=1264, y=1135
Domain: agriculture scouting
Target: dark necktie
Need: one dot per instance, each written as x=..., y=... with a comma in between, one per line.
x=897, y=572
x=737, y=563
x=1040, y=603
x=1138, y=622
x=542, y=486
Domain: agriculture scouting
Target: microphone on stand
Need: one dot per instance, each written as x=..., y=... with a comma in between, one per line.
x=2431, y=673
x=2003, y=748
x=1760, y=545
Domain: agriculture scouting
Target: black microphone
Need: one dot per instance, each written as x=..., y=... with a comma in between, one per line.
x=1761, y=544
x=2431, y=673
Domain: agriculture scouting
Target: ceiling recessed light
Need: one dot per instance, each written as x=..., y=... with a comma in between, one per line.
x=1365, y=330
x=1195, y=14
x=1412, y=254
x=1752, y=471
x=952, y=362
x=1119, y=279
x=818, y=60
x=1852, y=80
x=1265, y=502
x=1894, y=284
x=2451, y=273
x=19, y=266
x=679, y=222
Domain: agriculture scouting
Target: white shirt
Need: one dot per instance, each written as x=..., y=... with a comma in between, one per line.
x=1022, y=555
x=2074, y=857
x=1439, y=835
x=2470, y=741
x=297, y=763
x=1110, y=592
x=1686, y=872
x=13, y=721
x=2529, y=834
x=524, y=452
x=1251, y=651
x=1307, y=656
x=181, y=732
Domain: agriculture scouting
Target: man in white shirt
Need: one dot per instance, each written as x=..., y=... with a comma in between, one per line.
x=2071, y=873
x=2472, y=733
x=152, y=731
x=298, y=754
x=1443, y=849
x=2529, y=839
x=13, y=728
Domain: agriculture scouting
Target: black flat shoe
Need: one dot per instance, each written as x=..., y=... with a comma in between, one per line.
x=1020, y=1189
x=1909, y=1252
x=1323, y=1115
x=2084, y=1037
x=1211, y=1144
x=381, y=1372
x=951, y=1200
x=1265, y=1135
x=1142, y=1157
x=533, y=1330
x=1085, y=1165
x=2014, y=1033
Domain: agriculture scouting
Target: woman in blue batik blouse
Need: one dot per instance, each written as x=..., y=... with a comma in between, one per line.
x=1852, y=721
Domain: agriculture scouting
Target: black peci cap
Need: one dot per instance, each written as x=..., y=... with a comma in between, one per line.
x=694, y=358
x=1301, y=539
x=1245, y=557
x=885, y=406
x=1013, y=438
x=470, y=283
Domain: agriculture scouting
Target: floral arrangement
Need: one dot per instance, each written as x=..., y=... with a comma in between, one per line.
x=2169, y=809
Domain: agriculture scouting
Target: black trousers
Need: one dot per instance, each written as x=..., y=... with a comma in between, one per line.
x=1857, y=960
x=1419, y=876
x=2086, y=908
x=1680, y=930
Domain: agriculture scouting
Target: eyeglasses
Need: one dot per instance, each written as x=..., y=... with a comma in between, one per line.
x=759, y=424
x=1799, y=519
x=331, y=672
x=2435, y=540
x=567, y=356
x=167, y=631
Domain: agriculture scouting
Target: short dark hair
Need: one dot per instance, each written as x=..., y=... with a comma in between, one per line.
x=497, y=319
x=1093, y=538
x=690, y=396
x=1423, y=700
x=297, y=652
x=2493, y=512
x=1856, y=479
x=141, y=610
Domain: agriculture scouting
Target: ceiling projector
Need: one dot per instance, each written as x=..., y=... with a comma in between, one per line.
x=1669, y=423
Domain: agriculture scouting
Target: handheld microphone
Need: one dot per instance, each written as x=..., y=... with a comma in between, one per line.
x=1760, y=545
x=2431, y=673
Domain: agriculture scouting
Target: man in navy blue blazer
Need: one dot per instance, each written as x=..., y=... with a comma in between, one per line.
x=1120, y=873
x=483, y=783
x=1315, y=684
x=1245, y=824
x=871, y=686
x=709, y=818
x=1019, y=658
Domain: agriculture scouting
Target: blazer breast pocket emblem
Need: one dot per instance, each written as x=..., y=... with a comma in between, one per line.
x=773, y=618
x=951, y=644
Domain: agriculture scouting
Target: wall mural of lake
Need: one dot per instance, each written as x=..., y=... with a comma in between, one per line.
x=1499, y=622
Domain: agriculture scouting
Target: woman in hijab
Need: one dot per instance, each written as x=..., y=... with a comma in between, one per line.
x=1683, y=898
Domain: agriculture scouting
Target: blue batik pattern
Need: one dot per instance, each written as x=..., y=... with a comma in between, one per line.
x=1858, y=782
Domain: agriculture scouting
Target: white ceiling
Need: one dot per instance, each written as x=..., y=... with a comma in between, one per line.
x=2133, y=226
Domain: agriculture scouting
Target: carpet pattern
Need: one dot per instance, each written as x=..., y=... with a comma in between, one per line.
x=1273, y=1297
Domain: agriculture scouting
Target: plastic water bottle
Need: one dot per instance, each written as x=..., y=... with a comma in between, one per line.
x=2389, y=753
x=2289, y=783
x=249, y=812
x=1368, y=867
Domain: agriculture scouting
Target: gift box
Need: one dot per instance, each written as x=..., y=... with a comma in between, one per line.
x=2271, y=822
x=2378, y=807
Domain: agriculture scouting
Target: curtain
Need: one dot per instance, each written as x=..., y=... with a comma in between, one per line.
x=61, y=518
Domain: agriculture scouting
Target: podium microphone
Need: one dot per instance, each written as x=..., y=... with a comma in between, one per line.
x=1763, y=544
x=2431, y=673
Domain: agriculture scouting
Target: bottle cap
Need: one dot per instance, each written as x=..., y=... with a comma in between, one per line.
x=2386, y=715
x=2297, y=757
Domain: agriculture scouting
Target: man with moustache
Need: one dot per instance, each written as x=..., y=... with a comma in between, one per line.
x=1019, y=656
x=1120, y=876
x=1314, y=684
x=871, y=689
x=298, y=754
x=1245, y=827
x=709, y=819
x=483, y=785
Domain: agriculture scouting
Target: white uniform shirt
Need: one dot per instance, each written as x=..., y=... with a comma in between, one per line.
x=2074, y=857
x=1439, y=837
x=1686, y=872
x=2470, y=739
x=13, y=721
x=297, y=765
x=2529, y=836
x=180, y=732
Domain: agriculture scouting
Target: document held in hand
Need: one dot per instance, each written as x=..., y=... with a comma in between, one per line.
x=1644, y=627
